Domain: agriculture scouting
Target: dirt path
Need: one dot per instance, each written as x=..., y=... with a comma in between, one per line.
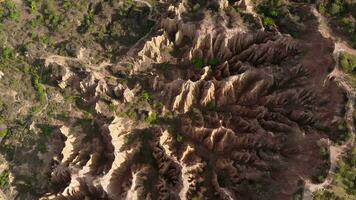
x=338, y=76
x=132, y=50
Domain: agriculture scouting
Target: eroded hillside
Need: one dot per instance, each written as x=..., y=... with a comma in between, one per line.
x=171, y=100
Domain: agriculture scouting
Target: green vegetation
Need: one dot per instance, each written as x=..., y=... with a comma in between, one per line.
x=132, y=115
x=348, y=62
x=67, y=4
x=343, y=185
x=335, y=7
x=4, y=180
x=322, y=8
x=347, y=25
x=325, y=195
x=39, y=31
x=86, y=23
x=3, y=133
x=145, y=96
x=345, y=176
x=113, y=107
x=152, y=118
x=342, y=132
x=46, y=130
x=6, y=53
x=35, y=110
x=267, y=22
x=342, y=15
x=33, y=4
x=271, y=11
x=36, y=82
x=179, y=138
x=323, y=170
x=198, y=63
x=213, y=62
x=8, y=10
x=51, y=16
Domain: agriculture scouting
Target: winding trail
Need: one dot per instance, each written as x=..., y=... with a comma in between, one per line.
x=338, y=76
x=132, y=50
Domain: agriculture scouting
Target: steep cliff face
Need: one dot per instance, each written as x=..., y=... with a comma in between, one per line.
x=240, y=113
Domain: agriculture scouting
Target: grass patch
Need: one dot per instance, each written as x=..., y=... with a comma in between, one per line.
x=8, y=10
x=4, y=180
x=348, y=62
x=33, y=5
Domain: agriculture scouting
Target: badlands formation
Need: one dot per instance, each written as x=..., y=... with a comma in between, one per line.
x=211, y=108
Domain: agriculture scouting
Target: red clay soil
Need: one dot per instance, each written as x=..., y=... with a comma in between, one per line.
x=318, y=59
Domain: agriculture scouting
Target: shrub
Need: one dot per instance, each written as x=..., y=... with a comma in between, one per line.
x=213, y=62
x=145, y=96
x=325, y=195
x=322, y=8
x=11, y=9
x=270, y=8
x=336, y=8
x=3, y=133
x=346, y=172
x=152, y=118
x=113, y=107
x=267, y=22
x=198, y=63
x=347, y=26
x=348, y=62
x=6, y=53
x=33, y=4
x=41, y=95
x=179, y=138
x=67, y=4
x=324, y=153
x=86, y=23
x=51, y=17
